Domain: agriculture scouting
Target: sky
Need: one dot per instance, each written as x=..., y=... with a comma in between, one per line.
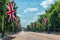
x=29, y=10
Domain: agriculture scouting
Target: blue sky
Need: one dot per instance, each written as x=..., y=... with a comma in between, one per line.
x=29, y=10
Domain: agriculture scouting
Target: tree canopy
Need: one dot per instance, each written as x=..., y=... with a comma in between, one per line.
x=53, y=15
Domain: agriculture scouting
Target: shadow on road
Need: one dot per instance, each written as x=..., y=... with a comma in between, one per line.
x=8, y=38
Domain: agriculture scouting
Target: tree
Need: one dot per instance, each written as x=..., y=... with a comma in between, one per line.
x=53, y=15
x=3, y=10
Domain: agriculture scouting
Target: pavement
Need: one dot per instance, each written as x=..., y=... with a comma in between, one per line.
x=32, y=36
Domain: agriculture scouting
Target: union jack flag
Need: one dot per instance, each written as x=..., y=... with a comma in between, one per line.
x=45, y=21
x=11, y=11
x=37, y=24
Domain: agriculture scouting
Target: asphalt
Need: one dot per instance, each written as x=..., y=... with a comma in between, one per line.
x=32, y=36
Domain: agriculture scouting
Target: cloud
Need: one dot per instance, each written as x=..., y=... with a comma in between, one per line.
x=46, y=3
x=35, y=18
x=19, y=15
x=30, y=9
x=40, y=13
x=25, y=22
